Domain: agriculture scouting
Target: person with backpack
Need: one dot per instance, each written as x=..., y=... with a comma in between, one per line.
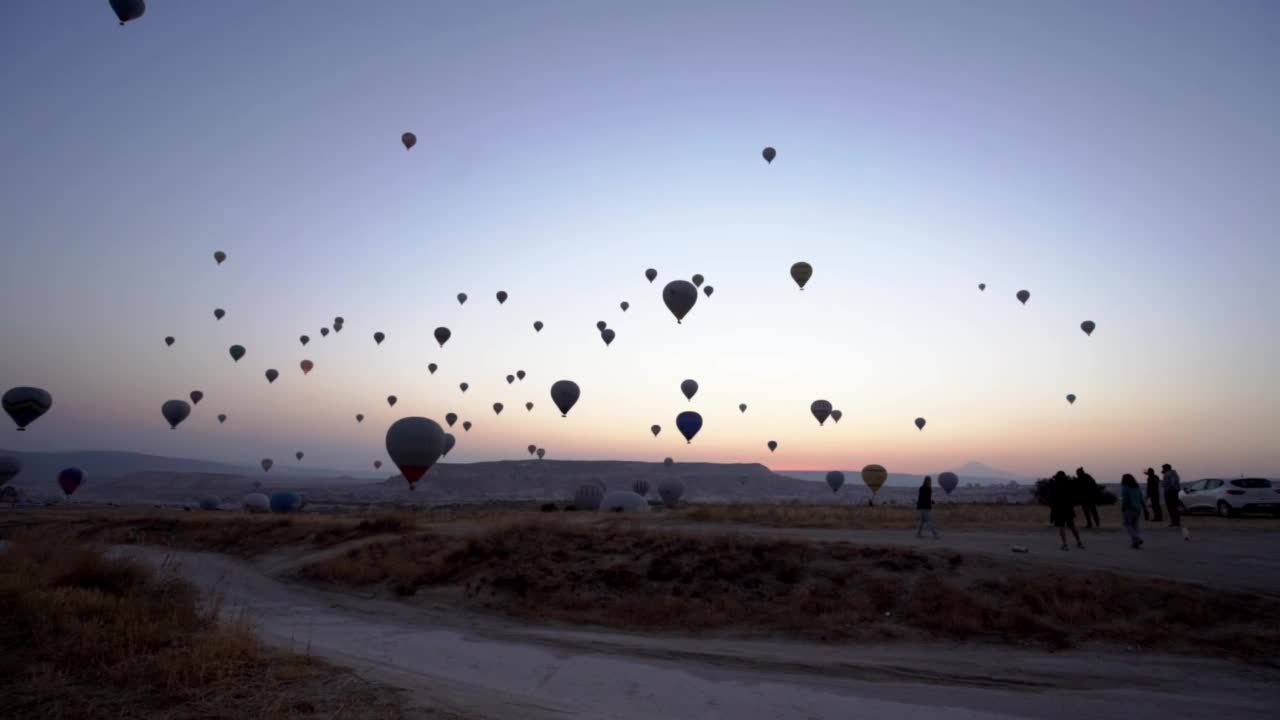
x=1131, y=506
x=1088, y=488
x=1153, y=495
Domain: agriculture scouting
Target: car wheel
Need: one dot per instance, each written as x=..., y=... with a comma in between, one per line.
x=1224, y=509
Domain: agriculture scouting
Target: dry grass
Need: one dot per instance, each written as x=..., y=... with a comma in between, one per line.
x=89, y=636
x=861, y=517
x=653, y=580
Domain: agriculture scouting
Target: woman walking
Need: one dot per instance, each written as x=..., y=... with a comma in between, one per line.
x=924, y=505
x=1062, y=507
x=1131, y=507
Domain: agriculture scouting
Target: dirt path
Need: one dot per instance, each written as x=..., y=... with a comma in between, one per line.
x=498, y=670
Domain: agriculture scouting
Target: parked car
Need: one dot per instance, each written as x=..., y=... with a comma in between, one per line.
x=1231, y=497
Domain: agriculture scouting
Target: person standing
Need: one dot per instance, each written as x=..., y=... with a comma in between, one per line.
x=1088, y=498
x=1153, y=495
x=1171, y=484
x=1131, y=506
x=924, y=506
x=1062, y=506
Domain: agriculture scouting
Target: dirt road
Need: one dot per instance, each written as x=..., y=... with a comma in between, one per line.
x=495, y=669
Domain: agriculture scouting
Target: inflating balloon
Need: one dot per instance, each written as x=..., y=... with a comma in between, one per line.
x=408, y=140
x=442, y=335
x=286, y=501
x=1023, y=296
x=821, y=410
x=414, y=445
x=306, y=366
x=688, y=423
x=256, y=503
x=1087, y=326
x=835, y=480
x=174, y=412
x=565, y=393
x=689, y=388
x=769, y=154
x=237, y=352
x=272, y=374
x=948, y=481
x=26, y=404
x=680, y=296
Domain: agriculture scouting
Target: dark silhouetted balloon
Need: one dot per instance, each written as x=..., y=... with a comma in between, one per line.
x=835, y=480
x=1023, y=296
x=836, y=415
x=982, y=286
x=668, y=462
x=537, y=326
x=174, y=412
x=565, y=393
x=651, y=274
x=272, y=374
x=442, y=335
x=742, y=407
x=670, y=490
x=219, y=313
x=462, y=298
x=414, y=444
x=359, y=417
x=451, y=418
x=25, y=404
x=821, y=410
x=697, y=280
x=222, y=418
x=298, y=455
x=533, y=449
x=266, y=464
x=502, y=296
x=919, y=423
x=601, y=325
x=680, y=296
x=449, y=442
x=497, y=408
x=285, y=502
x=520, y=374
x=339, y=320
x=607, y=335
x=801, y=272
x=624, y=305
x=541, y=453
x=655, y=429
x=511, y=379
x=769, y=154
x=377, y=464
x=236, y=352
x=772, y=445
x=391, y=400
x=432, y=367
x=948, y=481
x=324, y=332
x=689, y=388
x=304, y=340
x=1071, y=398
x=688, y=423
x=196, y=396
x=378, y=337
x=72, y=479
x=528, y=406
x=1087, y=326
x=169, y=341
x=306, y=366
x=466, y=425
x=463, y=386
x=409, y=140
x=219, y=257
x=707, y=290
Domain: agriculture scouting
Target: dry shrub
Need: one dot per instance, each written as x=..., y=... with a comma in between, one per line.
x=957, y=516
x=92, y=636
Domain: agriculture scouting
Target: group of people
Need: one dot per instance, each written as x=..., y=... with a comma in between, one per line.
x=1066, y=492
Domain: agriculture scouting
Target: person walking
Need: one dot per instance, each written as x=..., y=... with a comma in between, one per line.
x=924, y=506
x=1088, y=498
x=1131, y=506
x=1170, y=485
x=1153, y=496
x=1062, y=506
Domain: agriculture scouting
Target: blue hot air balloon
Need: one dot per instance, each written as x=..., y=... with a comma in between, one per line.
x=285, y=502
x=689, y=423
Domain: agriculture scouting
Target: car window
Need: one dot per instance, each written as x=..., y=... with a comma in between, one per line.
x=1252, y=483
x=1197, y=485
x=1213, y=484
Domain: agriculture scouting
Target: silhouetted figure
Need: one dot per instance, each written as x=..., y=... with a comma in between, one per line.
x=1062, y=507
x=1153, y=496
x=1170, y=483
x=1088, y=498
x=924, y=506
x=1131, y=507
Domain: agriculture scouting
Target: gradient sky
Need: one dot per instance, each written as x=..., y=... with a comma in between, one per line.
x=1119, y=160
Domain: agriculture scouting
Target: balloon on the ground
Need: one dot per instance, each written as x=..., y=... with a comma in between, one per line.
x=769, y=154
x=174, y=412
x=689, y=388
x=588, y=497
x=835, y=480
x=671, y=491
x=680, y=296
x=442, y=335
x=414, y=445
x=409, y=140
x=688, y=423
x=236, y=352
x=286, y=501
x=640, y=487
x=272, y=374
x=266, y=464
x=1088, y=326
x=624, y=501
x=874, y=476
x=25, y=405
x=801, y=272
x=651, y=274
x=948, y=481
x=256, y=503
x=1023, y=296
x=920, y=423
x=71, y=479
x=565, y=393
x=821, y=410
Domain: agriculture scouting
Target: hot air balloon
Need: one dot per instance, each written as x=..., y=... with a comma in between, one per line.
x=623, y=501
x=537, y=326
x=285, y=502
x=10, y=466
x=449, y=442
x=451, y=418
x=304, y=340
x=769, y=154
x=564, y=393
x=655, y=429
x=71, y=479
x=306, y=366
x=337, y=327
x=640, y=487
x=680, y=297
x=175, y=411
x=339, y=320
x=772, y=444
x=169, y=341
x=408, y=140
x=624, y=305
x=222, y=418
x=835, y=480
x=689, y=388
x=1087, y=326
x=821, y=410
x=874, y=476
x=502, y=296
x=324, y=332
x=272, y=374
x=533, y=449
x=1071, y=398
x=541, y=453
x=414, y=445
x=266, y=464
x=528, y=406
x=377, y=464
x=607, y=335
x=670, y=491
x=219, y=257
x=948, y=481
x=588, y=497
x=982, y=286
x=920, y=423
x=1023, y=296
x=196, y=396
x=511, y=379
x=463, y=386
x=836, y=415
x=742, y=407
x=391, y=400
x=359, y=417
x=801, y=272
x=601, y=325
x=219, y=313
x=520, y=374
x=688, y=423
x=466, y=425
x=26, y=404
x=236, y=352
x=298, y=455
x=432, y=367
x=708, y=290
x=651, y=274
x=497, y=408
x=442, y=335
x=668, y=462
x=256, y=503
x=697, y=280
x=378, y=337
x=462, y=298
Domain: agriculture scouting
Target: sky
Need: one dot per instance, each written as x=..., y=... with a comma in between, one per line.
x=1118, y=160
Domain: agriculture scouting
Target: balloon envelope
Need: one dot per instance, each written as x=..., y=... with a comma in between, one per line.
x=688, y=423
x=466, y=425
x=835, y=480
x=432, y=367
x=624, y=305
x=1088, y=326
x=299, y=455
x=175, y=411
x=651, y=274
x=222, y=418
x=920, y=423
x=874, y=476
x=462, y=298
x=256, y=503
x=409, y=140
x=773, y=445
x=680, y=296
x=624, y=501
x=541, y=452
x=640, y=487
x=742, y=407
x=359, y=417
x=304, y=340
x=821, y=410
x=442, y=335
x=769, y=154
x=286, y=501
x=502, y=296
x=565, y=393
x=236, y=352
x=168, y=340
x=272, y=374
x=982, y=286
x=1071, y=398
x=306, y=366
x=266, y=464
x=414, y=445
x=520, y=374
x=71, y=479
x=219, y=313
x=671, y=491
x=588, y=497
x=497, y=408
x=655, y=429
x=449, y=442
x=697, y=280
x=537, y=326
x=948, y=481
x=607, y=335
x=451, y=418
x=1023, y=296
x=26, y=404
x=801, y=272
x=391, y=400
x=219, y=257
x=533, y=449
x=324, y=332
x=836, y=415
x=378, y=337
x=689, y=388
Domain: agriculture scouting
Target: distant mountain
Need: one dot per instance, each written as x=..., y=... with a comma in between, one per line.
x=976, y=471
